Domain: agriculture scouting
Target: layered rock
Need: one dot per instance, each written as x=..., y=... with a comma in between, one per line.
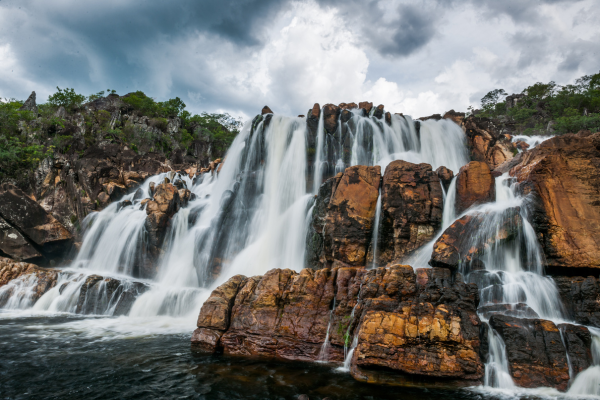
x=536, y=353
x=344, y=215
x=99, y=295
x=474, y=185
x=561, y=176
x=581, y=297
x=27, y=229
x=429, y=315
x=411, y=209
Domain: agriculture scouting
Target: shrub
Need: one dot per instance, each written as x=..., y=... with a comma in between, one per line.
x=66, y=98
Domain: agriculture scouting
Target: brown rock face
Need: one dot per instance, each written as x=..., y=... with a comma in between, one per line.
x=266, y=110
x=366, y=105
x=422, y=324
x=581, y=297
x=474, y=185
x=349, y=221
x=487, y=142
x=458, y=248
x=11, y=270
x=14, y=244
x=563, y=176
x=446, y=175
x=165, y=203
x=331, y=113
x=33, y=222
x=457, y=117
x=343, y=217
x=411, y=208
x=535, y=352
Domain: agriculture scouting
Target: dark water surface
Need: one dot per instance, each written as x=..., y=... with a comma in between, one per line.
x=41, y=360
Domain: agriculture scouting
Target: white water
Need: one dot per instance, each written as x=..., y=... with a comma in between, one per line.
x=532, y=141
x=376, y=231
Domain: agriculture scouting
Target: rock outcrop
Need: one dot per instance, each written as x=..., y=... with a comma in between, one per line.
x=343, y=217
x=487, y=141
x=459, y=249
x=562, y=178
x=536, y=353
x=13, y=274
x=30, y=104
x=26, y=222
x=581, y=297
x=411, y=209
x=414, y=325
x=474, y=185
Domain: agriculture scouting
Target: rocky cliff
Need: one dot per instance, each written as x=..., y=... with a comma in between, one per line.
x=411, y=324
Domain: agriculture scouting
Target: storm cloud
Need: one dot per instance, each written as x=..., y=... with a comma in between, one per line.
x=417, y=57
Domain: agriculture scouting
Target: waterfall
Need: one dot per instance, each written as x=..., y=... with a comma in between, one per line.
x=588, y=382
x=496, y=369
x=250, y=217
x=376, y=230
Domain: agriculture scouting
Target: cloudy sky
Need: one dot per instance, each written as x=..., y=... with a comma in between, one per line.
x=417, y=57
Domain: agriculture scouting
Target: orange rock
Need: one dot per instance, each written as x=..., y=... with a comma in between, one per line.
x=351, y=211
x=474, y=185
x=563, y=175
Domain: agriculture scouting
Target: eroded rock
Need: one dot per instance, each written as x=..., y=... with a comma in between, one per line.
x=474, y=185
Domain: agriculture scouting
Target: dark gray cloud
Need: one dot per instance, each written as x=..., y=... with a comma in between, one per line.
x=208, y=52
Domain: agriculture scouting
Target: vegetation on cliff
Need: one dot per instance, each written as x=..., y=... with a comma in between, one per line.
x=547, y=107
x=69, y=123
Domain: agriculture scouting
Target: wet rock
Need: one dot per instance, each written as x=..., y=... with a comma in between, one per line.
x=474, y=185
x=315, y=255
x=331, y=113
x=14, y=244
x=165, y=203
x=285, y=314
x=457, y=248
x=578, y=342
x=562, y=177
x=378, y=113
x=99, y=295
x=521, y=145
x=446, y=175
x=29, y=218
x=122, y=204
x=348, y=106
x=11, y=272
x=388, y=118
x=535, y=352
x=346, y=116
x=581, y=297
x=303, y=397
x=435, y=117
x=349, y=220
x=367, y=106
x=266, y=110
x=411, y=209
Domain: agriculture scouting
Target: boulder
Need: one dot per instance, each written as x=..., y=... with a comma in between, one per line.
x=350, y=214
x=446, y=175
x=266, y=110
x=33, y=222
x=14, y=244
x=486, y=141
x=474, y=185
x=577, y=340
x=581, y=297
x=378, y=113
x=411, y=209
x=99, y=294
x=535, y=351
x=366, y=105
x=331, y=114
x=423, y=325
x=561, y=176
x=458, y=249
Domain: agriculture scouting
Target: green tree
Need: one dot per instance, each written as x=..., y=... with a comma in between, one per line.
x=66, y=98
